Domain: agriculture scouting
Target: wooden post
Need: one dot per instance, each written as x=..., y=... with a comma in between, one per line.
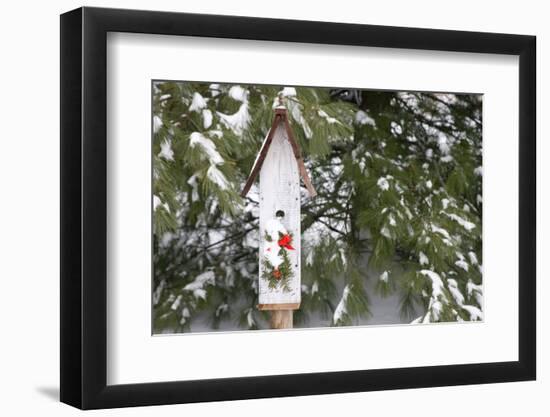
x=281, y=319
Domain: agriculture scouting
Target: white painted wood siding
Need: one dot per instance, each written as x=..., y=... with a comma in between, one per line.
x=280, y=190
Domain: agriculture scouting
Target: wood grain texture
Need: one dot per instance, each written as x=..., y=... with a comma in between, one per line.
x=287, y=306
x=281, y=319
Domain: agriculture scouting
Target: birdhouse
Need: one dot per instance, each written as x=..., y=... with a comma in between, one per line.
x=280, y=166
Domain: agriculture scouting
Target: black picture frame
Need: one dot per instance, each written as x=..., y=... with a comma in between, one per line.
x=84, y=207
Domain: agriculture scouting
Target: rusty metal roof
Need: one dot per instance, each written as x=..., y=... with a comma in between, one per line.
x=281, y=116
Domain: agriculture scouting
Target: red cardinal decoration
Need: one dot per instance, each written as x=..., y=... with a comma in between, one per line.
x=277, y=274
x=285, y=242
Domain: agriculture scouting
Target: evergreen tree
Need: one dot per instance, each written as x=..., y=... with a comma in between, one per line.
x=398, y=177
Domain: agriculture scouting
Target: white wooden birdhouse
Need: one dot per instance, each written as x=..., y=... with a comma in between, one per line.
x=280, y=166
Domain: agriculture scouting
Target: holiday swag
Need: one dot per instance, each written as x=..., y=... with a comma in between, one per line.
x=277, y=267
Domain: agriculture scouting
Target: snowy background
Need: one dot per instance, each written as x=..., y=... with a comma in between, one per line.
x=394, y=235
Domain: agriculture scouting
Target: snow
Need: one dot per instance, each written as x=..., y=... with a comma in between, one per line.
x=214, y=89
x=429, y=184
x=309, y=258
x=165, y=97
x=206, y=118
x=209, y=148
x=437, y=283
x=441, y=231
x=175, y=305
x=216, y=133
x=250, y=318
x=478, y=171
x=198, y=103
x=383, y=183
x=251, y=240
x=443, y=144
x=158, y=291
x=475, y=313
x=455, y=292
x=343, y=257
x=423, y=259
x=464, y=223
x=198, y=284
x=341, y=307
x=471, y=287
x=314, y=234
x=157, y=124
x=445, y=202
x=238, y=121
x=363, y=118
x=199, y=293
x=288, y=92
x=395, y=128
x=217, y=177
x=436, y=308
x=385, y=310
x=192, y=181
x=479, y=298
x=429, y=153
x=238, y=93
x=158, y=202
x=315, y=288
x=476, y=291
x=222, y=308
x=296, y=112
x=385, y=232
x=473, y=258
x=166, y=151
x=201, y=280
x=330, y=120
x=462, y=264
x=384, y=276
x=166, y=239
x=405, y=208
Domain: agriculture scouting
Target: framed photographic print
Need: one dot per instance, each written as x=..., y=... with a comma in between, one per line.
x=256, y=208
